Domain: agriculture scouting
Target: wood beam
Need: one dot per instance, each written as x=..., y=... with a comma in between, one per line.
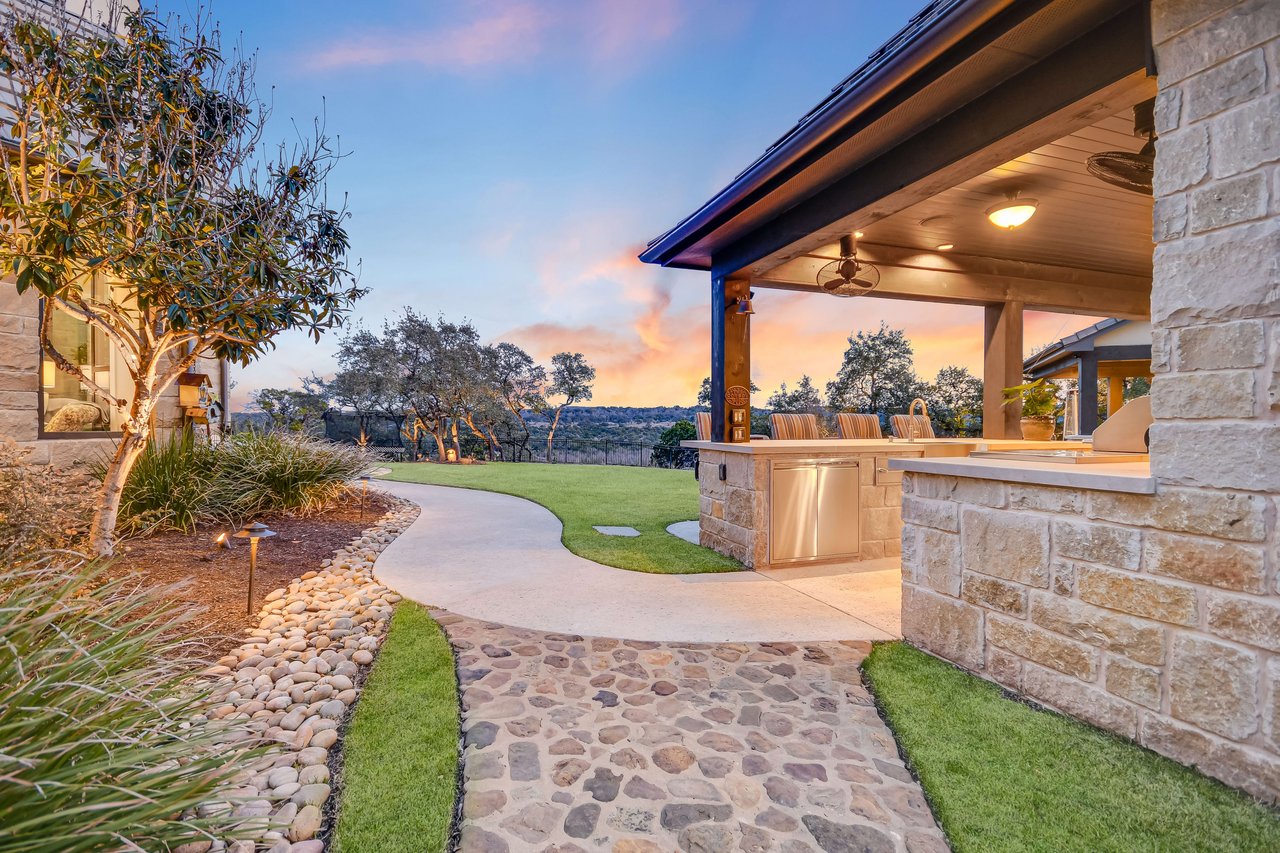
x=737, y=361
x=1115, y=394
x=973, y=280
x=730, y=357
x=1001, y=368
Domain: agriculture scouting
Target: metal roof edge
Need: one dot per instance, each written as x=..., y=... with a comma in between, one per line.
x=1063, y=346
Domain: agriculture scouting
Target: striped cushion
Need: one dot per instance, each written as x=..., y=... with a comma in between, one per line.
x=702, y=423
x=858, y=426
x=901, y=425
x=794, y=426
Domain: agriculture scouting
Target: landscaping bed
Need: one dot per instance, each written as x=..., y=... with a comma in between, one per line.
x=1002, y=775
x=214, y=579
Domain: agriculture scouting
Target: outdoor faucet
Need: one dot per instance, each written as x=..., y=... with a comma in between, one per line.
x=913, y=429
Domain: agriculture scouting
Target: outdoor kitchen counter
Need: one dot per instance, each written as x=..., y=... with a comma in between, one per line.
x=775, y=503
x=1132, y=477
x=929, y=447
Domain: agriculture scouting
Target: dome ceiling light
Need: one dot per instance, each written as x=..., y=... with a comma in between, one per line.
x=1011, y=213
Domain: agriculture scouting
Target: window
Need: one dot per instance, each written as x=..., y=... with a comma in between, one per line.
x=68, y=406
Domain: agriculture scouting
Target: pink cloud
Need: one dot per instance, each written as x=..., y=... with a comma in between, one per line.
x=603, y=34
x=503, y=35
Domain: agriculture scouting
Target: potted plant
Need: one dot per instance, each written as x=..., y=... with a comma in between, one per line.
x=1039, y=402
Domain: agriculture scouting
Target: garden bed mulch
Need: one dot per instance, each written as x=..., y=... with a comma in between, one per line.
x=216, y=580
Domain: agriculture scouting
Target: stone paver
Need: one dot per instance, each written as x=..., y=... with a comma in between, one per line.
x=615, y=530
x=689, y=531
x=591, y=744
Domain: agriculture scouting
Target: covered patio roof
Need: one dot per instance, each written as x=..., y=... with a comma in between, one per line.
x=973, y=100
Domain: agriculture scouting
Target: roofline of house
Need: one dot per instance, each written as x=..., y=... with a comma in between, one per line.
x=1058, y=349
x=930, y=33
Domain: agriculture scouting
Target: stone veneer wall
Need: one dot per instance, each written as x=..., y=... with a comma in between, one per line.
x=20, y=387
x=734, y=513
x=1157, y=617
x=1153, y=616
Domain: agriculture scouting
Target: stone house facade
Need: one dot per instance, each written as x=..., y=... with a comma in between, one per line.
x=33, y=391
x=1156, y=616
x=46, y=409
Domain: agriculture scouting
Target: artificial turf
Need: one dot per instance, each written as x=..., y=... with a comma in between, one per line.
x=1003, y=776
x=582, y=496
x=400, y=753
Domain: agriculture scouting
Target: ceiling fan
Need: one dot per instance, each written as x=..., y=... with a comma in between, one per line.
x=1125, y=169
x=848, y=276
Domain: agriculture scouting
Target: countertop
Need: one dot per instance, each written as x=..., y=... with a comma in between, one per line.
x=930, y=446
x=1131, y=477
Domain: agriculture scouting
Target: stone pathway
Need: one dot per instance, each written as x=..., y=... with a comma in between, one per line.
x=577, y=744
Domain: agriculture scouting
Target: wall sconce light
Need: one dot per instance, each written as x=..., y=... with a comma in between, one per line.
x=48, y=374
x=253, y=532
x=1011, y=213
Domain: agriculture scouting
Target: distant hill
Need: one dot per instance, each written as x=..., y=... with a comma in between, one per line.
x=639, y=424
x=617, y=423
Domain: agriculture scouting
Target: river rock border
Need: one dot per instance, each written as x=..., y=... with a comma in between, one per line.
x=293, y=684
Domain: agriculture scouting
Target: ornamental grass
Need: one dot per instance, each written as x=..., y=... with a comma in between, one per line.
x=181, y=482
x=100, y=744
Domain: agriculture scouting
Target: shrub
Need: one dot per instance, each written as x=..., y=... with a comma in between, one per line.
x=40, y=506
x=99, y=745
x=261, y=472
x=180, y=482
x=172, y=485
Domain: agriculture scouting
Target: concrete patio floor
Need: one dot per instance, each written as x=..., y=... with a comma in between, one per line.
x=499, y=558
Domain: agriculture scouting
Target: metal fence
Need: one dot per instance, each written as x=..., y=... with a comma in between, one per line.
x=604, y=451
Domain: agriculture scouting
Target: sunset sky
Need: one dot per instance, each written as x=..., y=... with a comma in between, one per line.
x=507, y=160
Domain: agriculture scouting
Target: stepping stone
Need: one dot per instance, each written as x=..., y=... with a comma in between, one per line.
x=686, y=530
x=616, y=531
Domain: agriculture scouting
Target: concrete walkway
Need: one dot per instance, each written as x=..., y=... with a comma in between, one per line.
x=499, y=558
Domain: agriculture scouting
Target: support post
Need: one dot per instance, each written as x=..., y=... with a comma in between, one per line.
x=1001, y=368
x=1087, y=371
x=717, y=357
x=730, y=357
x=1115, y=394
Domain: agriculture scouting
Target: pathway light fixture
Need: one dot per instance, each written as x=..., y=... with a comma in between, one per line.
x=253, y=532
x=364, y=492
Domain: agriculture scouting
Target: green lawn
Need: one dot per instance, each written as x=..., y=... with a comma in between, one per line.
x=581, y=496
x=1005, y=777
x=400, y=754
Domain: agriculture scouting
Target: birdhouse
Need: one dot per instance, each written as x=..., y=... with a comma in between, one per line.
x=192, y=389
x=194, y=394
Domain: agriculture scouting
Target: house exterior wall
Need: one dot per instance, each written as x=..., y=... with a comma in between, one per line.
x=1154, y=616
x=20, y=388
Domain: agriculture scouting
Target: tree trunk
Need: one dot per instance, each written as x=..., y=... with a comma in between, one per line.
x=551, y=435
x=453, y=435
x=439, y=446
x=103, y=532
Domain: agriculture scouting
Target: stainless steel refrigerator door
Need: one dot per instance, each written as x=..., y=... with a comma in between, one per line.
x=793, y=513
x=839, y=510
x=813, y=510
